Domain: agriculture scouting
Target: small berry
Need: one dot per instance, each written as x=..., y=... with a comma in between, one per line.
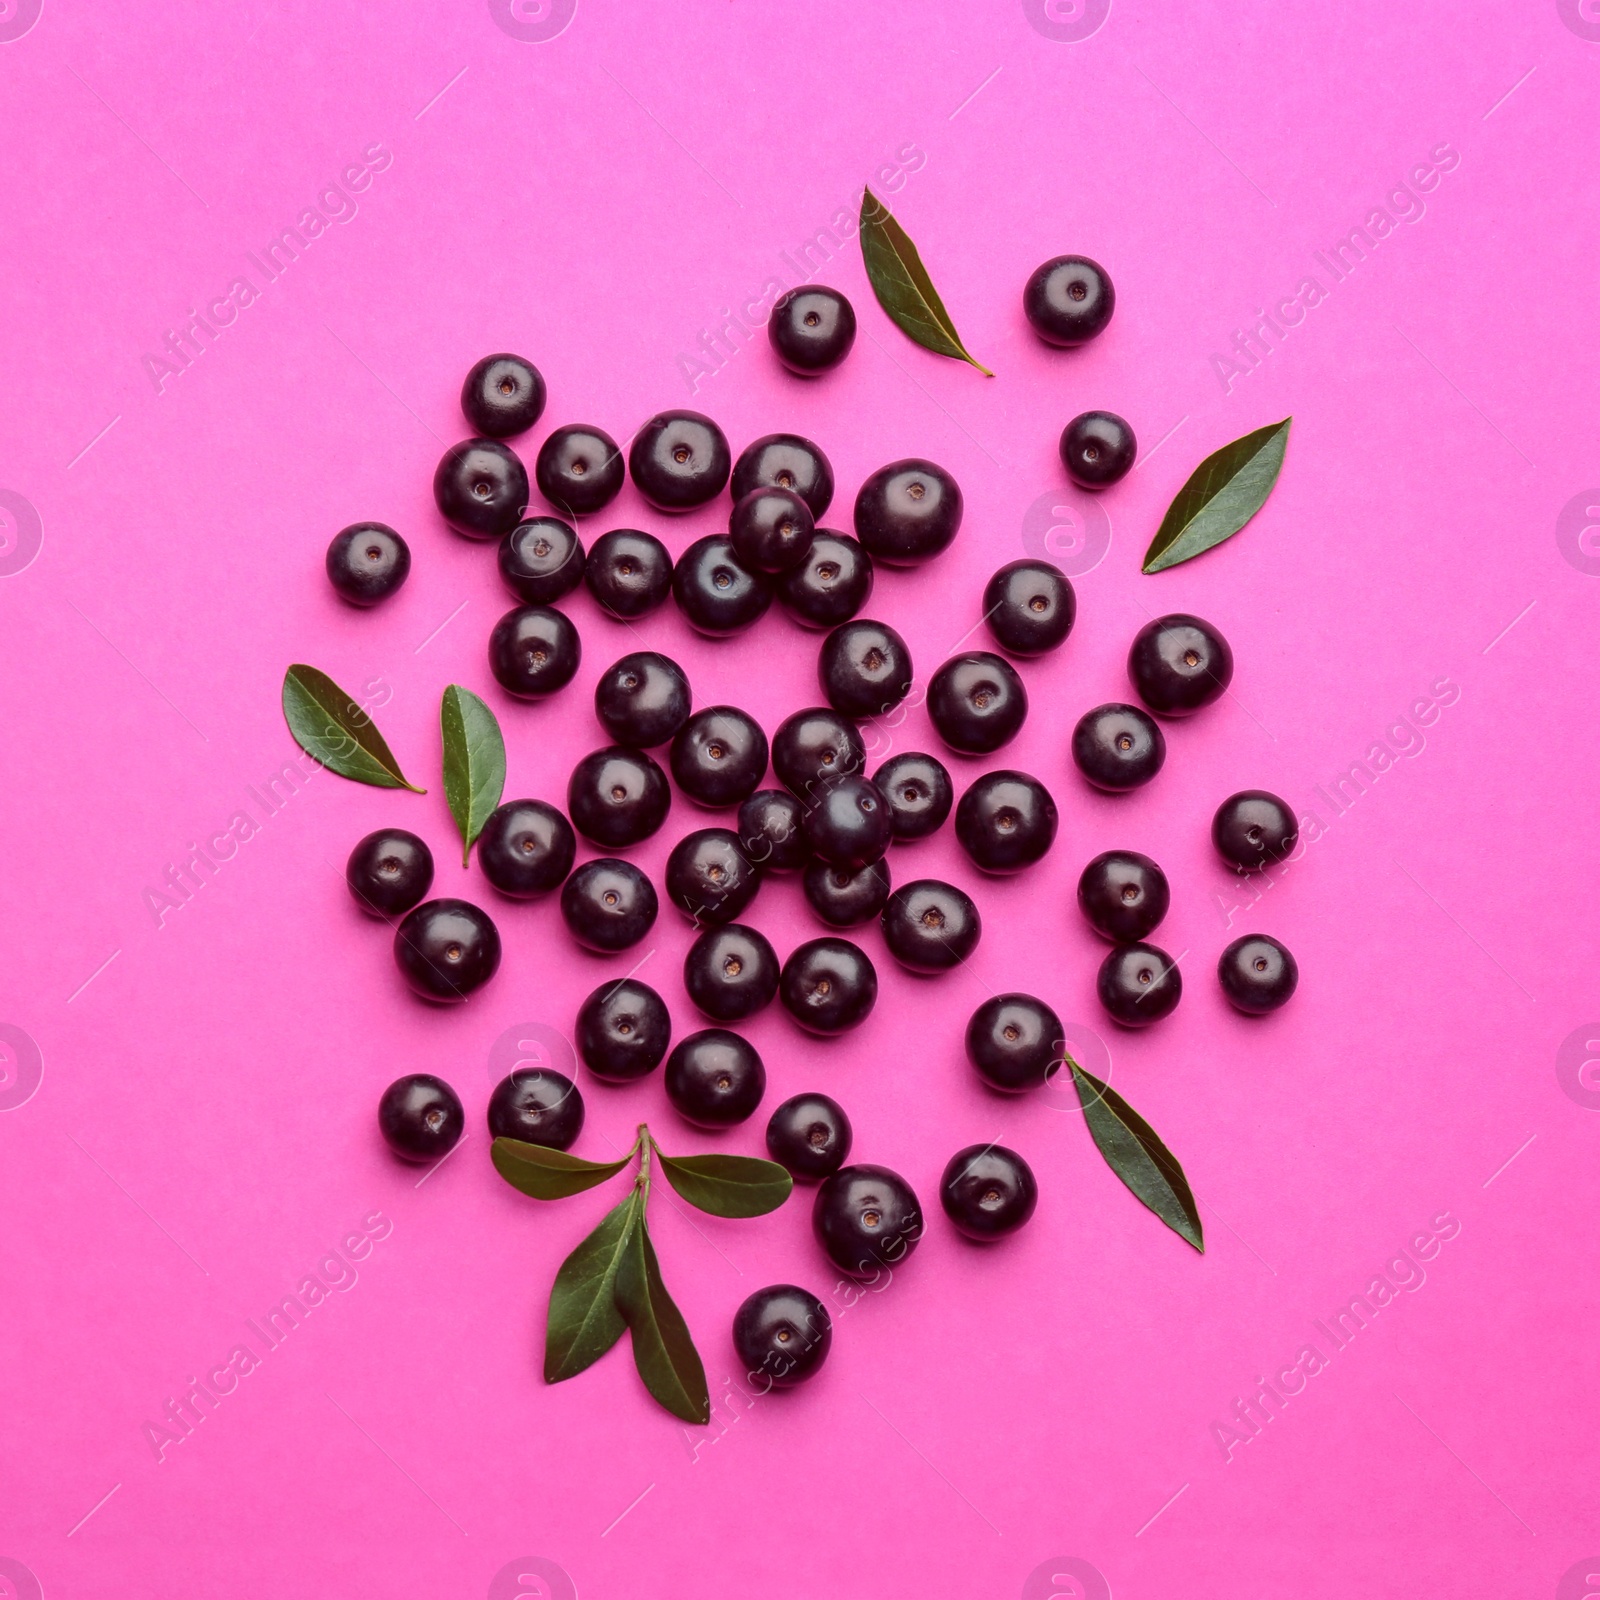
x=908, y=512
x=810, y=1135
x=714, y=1078
x=629, y=573
x=844, y=898
x=1124, y=895
x=831, y=583
x=579, y=469
x=541, y=560
x=481, y=488
x=864, y=669
x=608, y=905
x=849, y=825
x=389, y=872
x=1098, y=449
x=1258, y=974
x=782, y=1334
x=770, y=832
x=785, y=461
x=828, y=985
x=813, y=749
x=709, y=877
x=988, y=1191
x=534, y=651
x=526, y=848
x=1030, y=607
x=1179, y=664
x=731, y=972
x=866, y=1218
x=446, y=949
x=679, y=460
x=1253, y=829
x=367, y=563
x=617, y=797
x=811, y=329
x=643, y=699
x=1118, y=747
x=538, y=1106
x=918, y=791
x=1069, y=300
x=420, y=1117
x=623, y=1031
x=1139, y=984
x=1006, y=821
x=977, y=702
x=1014, y=1042
x=931, y=926
x=719, y=756
x=718, y=595
x=770, y=530
x=503, y=395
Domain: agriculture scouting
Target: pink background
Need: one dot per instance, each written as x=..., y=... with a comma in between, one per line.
x=203, y=1135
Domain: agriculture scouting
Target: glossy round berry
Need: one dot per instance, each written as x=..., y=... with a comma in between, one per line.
x=623, y=1031
x=538, y=1106
x=849, y=824
x=781, y=1336
x=1014, y=1042
x=446, y=949
x=579, y=469
x=1006, y=821
x=908, y=511
x=709, y=877
x=830, y=584
x=931, y=926
x=367, y=562
x=1257, y=974
x=420, y=1117
x=1030, y=607
x=714, y=1078
x=828, y=985
x=918, y=791
x=1098, y=449
x=718, y=595
x=785, y=461
x=719, y=756
x=731, y=972
x=389, y=872
x=1254, y=828
x=977, y=702
x=1179, y=664
x=812, y=329
x=1139, y=984
x=629, y=573
x=481, y=488
x=617, y=797
x=867, y=1218
x=810, y=1135
x=1118, y=747
x=503, y=395
x=608, y=905
x=843, y=897
x=1069, y=300
x=813, y=749
x=541, y=560
x=643, y=699
x=864, y=668
x=526, y=848
x=534, y=651
x=988, y=1191
x=679, y=460
x=1124, y=895
x=770, y=831
x=770, y=529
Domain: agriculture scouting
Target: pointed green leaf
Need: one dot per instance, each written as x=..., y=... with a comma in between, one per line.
x=662, y=1349
x=902, y=285
x=333, y=730
x=549, y=1174
x=1137, y=1156
x=1222, y=494
x=474, y=762
x=728, y=1186
x=584, y=1320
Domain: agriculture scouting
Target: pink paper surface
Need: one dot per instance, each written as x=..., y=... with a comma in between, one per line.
x=599, y=190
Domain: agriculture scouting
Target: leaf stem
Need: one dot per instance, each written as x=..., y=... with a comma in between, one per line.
x=643, y=1143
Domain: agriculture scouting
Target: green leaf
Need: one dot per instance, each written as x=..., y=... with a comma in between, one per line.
x=333, y=730
x=584, y=1320
x=727, y=1186
x=1137, y=1156
x=474, y=762
x=549, y=1174
x=662, y=1349
x=902, y=285
x=1222, y=494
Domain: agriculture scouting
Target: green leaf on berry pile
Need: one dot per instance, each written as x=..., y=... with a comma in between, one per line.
x=662, y=1348
x=474, y=762
x=728, y=1186
x=903, y=287
x=1137, y=1156
x=585, y=1320
x=1222, y=494
x=549, y=1174
x=334, y=731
